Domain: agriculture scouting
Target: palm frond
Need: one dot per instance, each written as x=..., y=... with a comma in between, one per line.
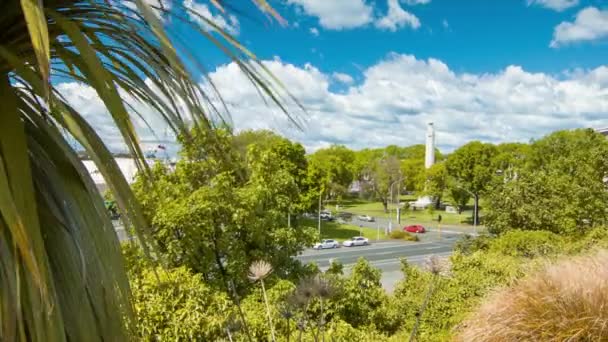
x=61, y=271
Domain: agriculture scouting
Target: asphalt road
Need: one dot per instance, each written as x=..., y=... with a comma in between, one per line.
x=385, y=255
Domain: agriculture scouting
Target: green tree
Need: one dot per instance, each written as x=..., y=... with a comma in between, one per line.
x=471, y=167
x=330, y=171
x=220, y=213
x=437, y=182
x=560, y=187
x=63, y=275
x=414, y=174
x=386, y=173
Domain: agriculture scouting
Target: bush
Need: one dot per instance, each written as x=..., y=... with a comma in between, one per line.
x=401, y=235
x=469, y=279
x=468, y=244
x=529, y=244
x=176, y=305
x=566, y=301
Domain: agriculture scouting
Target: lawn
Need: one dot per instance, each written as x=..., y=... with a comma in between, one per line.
x=341, y=232
x=375, y=209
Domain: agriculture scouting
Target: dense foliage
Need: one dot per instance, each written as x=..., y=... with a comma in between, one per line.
x=217, y=211
x=247, y=184
x=558, y=185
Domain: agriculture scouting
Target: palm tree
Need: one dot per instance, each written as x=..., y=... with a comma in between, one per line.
x=61, y=271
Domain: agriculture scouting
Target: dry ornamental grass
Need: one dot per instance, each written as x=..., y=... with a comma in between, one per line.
x=566, y=301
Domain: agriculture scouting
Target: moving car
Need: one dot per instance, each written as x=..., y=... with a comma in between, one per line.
x=328, y=243
x=365, y=218
x=415, y=228
x=356, y=241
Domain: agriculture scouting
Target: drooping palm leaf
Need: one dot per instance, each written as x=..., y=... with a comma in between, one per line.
x=61, y=272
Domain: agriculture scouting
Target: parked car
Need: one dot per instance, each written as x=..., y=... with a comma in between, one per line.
x=328, y=243
x=415, y=228
x=356, y=241
x=365, y=218
x=325, y=215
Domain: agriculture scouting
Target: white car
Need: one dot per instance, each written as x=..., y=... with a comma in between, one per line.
x=356, y=241
x=326, y=244
x=365, y=218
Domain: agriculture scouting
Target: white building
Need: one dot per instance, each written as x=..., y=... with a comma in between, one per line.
x=126, y=165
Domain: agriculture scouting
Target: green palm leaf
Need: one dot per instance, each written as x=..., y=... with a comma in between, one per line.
x=61, y=271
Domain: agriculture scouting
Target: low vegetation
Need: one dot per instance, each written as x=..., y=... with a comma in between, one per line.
x=401, y=235
x=565, y=301
x=438, y=301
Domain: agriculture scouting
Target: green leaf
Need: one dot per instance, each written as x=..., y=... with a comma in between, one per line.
x=36, y=23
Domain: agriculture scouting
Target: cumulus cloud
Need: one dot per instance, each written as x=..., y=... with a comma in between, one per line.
x=416, y=2
x=343, y=78
x=397, y=18
x=396, y=98
x=314, y=31
x=590, y=24
x=557, y=5
x=156, y=5
x=228, y=23
x=337, y=14
x=152, y=132
x=401, y=93
x=348, y=14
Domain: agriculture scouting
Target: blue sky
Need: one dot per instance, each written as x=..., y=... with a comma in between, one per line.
x=373, y=73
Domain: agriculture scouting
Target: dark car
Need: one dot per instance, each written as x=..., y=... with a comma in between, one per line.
x=415, y=228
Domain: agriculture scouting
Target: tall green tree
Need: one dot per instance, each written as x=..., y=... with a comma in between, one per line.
x=330, y=171
x=560, y=187
x=386, y=173
x=217, y=213
x=62, y=274
x=471, y=167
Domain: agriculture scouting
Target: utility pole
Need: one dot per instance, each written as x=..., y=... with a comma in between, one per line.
x=475, y=199
x=393, y=202
x=320, y=194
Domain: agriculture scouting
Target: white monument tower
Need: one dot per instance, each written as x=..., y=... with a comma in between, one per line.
x=429, y=155
x=429, y=160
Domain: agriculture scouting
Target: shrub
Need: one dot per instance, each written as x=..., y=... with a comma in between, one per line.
x=566, y=301
x=411, y=237
x=470, y=278
x=468, y=244
x=527, y=244
x=178, y=306
x=401, y=235
x=397, y=234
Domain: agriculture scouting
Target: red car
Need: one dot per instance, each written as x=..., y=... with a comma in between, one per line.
x=415, y=228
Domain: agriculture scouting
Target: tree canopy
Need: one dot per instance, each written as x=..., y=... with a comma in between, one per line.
x=559, y=185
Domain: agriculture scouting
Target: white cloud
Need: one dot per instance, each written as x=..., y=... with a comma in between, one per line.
x=152, y=132
x=557, y=5
x=401, y=93
x=590, y=24
x=343, y=78
x=445, y=24
x=314, y=31
x=416, y=2
x=397, y=18
x=393, y=102
x=228, y=23
x=157, y=6
x=348, y=14
x=337, y=14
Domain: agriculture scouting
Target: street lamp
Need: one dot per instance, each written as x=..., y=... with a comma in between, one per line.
x=320, y=194
x=475, y=209
x=392, y=201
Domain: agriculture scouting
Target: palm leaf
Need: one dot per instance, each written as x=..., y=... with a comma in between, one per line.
x=61, y=271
